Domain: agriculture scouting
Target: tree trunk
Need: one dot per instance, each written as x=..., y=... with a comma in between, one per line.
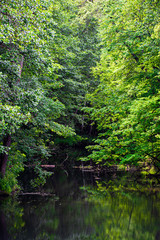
x=4, y=156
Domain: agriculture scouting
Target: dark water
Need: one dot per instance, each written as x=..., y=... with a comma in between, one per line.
x=75, y=213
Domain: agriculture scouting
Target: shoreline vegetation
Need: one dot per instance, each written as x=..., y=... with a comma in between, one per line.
x=115, y=179
x=79, y=85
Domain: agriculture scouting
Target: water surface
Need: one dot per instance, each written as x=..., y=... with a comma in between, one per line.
x=75, y=213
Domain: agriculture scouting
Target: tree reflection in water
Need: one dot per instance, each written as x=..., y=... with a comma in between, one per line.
x=98, y=213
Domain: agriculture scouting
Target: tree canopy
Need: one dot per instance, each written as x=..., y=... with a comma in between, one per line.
x=125, y=105
x=68, y=67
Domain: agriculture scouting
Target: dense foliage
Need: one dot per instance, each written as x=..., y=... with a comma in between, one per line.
x=29, y=106
x=44, y=75
x=126, y=104
x=47, y=51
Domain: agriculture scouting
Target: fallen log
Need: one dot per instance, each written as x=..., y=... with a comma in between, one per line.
x=35, y=194
x=44, y=166
x=48, y=166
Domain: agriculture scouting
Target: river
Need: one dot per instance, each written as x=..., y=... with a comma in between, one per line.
x=83, y=206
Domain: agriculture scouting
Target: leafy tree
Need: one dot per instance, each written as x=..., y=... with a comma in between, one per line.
x=47, y=50
x=27, y=77
x=77, y=51
x=125, y=105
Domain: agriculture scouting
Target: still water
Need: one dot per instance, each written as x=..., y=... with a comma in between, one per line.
x=81, y=208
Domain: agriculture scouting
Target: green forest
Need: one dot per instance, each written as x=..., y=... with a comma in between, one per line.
x=78, y=74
